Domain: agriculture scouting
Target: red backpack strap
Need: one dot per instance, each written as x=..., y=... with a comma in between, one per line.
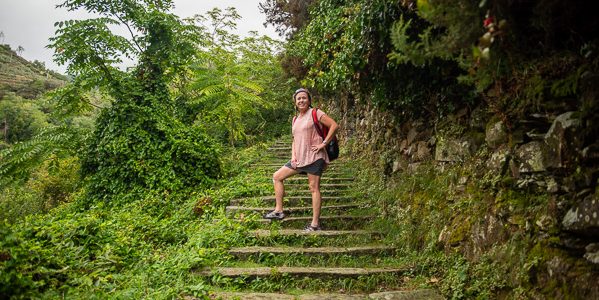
x=317, y=124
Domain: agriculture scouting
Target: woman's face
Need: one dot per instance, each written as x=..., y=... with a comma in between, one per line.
x=302, y=101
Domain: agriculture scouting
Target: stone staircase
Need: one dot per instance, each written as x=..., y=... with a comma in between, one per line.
x=346, y=260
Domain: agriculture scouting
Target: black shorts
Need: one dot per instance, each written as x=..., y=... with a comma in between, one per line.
x=315, y=168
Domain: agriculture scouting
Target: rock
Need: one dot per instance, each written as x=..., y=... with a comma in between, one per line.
x=403, y=145
x=592, y=253
x=563, y=138
x=534, y=157
x=491, y=231
x=583, y=218
x=498, y=161
x=590, y=154
x=478, y=117
x=534, y=127
x=573, y=245
x=452, y=150
x=496, y=134
x=592, y=257
x=423, y=151
x=545, y=222
x=552, y=186
x=557, y=267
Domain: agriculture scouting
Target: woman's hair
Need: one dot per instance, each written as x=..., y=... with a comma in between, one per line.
x=299, y=91
x=302, y=90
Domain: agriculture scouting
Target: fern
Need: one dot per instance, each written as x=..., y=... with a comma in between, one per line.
x=567, y=86
x=18, y=161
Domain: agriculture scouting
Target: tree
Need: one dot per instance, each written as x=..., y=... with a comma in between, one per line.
x=22, y=119
x=287, y=16
x=228, y=76
x=138, y=144
x=20, y=50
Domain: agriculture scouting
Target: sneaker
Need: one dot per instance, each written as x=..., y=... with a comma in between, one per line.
x=312, y=228
x=275, y=215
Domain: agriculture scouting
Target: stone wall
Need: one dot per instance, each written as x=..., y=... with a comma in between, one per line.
x=554, y=153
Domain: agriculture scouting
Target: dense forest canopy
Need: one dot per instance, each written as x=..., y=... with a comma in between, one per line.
x=437, y=49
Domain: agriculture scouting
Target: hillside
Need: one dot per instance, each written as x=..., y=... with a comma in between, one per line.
x=26, y=79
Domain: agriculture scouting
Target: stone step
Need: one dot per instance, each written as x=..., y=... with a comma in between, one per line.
x=322, y=179
x=322, y=238
x=325, y=175
x=322, y=185
x=298, y=272
x=276, y=158
x=277, y=165
x=306, y=192
x=322, y=233
x=290, y=210
x=327, y=222
x=301, y=191
x=304, y=180
x=291, y=200
x=246, y=252
x=422, y=294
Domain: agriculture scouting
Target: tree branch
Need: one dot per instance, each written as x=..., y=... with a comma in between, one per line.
x=130, y=32
x=94, y=105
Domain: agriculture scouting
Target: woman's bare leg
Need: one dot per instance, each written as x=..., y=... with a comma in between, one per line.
x=314, y=182
x=277, y=178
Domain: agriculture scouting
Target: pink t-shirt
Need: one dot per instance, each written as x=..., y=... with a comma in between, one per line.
x=304, y=136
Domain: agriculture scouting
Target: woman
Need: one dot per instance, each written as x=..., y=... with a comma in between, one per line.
x=308, y=155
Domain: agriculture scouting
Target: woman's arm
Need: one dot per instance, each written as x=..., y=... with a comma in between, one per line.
x=328, y=122
x=332, y=125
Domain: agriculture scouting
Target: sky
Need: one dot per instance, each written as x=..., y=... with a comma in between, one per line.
x=30, y=23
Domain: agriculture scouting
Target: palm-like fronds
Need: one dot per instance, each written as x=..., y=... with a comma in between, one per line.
x=17, y=161
x=223, y=86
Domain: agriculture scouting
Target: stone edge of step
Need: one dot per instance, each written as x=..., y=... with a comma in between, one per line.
x=419, y=294
x=297, y=271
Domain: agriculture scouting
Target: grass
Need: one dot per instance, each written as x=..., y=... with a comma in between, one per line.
x=151, y=247
x=282, y=283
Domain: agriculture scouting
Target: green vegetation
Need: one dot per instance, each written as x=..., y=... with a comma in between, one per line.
x=114, y=185
x=100, y=179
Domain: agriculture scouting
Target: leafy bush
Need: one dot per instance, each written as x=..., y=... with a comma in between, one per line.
x=21, y=119
x=54, y=182
x=139, y=144
x=345, y=46
x=136, y=150
x=145, y=248
x=18, y=201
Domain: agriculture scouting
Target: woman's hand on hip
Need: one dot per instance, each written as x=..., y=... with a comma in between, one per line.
x=316, y=148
